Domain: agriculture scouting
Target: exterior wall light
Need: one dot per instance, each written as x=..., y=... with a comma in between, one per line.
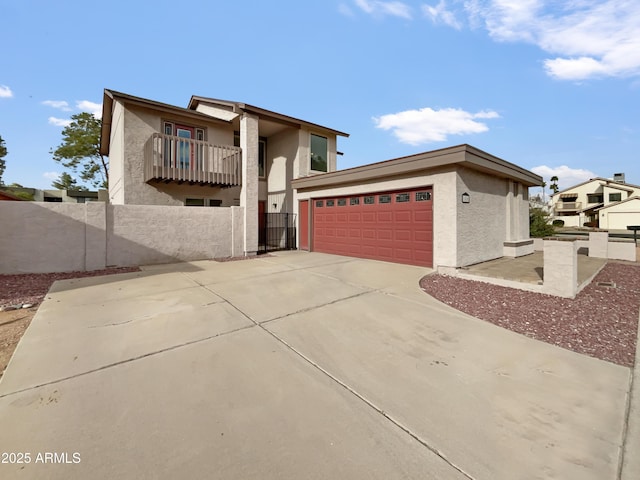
x=466, y=198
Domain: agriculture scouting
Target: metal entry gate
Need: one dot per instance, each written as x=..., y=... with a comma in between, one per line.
x=277, y=232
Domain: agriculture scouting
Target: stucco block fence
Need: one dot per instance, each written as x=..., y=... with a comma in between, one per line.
x=38, y=237
x=561, y=260
x=600, y=245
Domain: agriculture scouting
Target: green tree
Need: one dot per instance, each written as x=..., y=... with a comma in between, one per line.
x=80, y=150
x=554, y=184
x=3, y=153
x=67, y=182
x=539, y=225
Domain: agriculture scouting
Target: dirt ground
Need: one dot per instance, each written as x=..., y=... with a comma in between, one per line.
x=12, y=326
x=30, y=289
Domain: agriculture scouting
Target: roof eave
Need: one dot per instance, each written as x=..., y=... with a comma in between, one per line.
x=463, y=155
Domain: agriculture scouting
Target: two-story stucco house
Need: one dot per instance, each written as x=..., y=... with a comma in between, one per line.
x=446, y=208
x=598, y=202
x=212, y=153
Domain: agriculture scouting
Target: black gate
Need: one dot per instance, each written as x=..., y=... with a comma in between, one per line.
x=277, y=231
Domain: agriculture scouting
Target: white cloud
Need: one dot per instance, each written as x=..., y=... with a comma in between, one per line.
x=440, y=14
x=567, y=176
x=380, y=8
x=59, y=104
x=94, y=108
x=59, y=122
x=426, y=125
x=5, y=92
x=589, y=38
x=51, y=175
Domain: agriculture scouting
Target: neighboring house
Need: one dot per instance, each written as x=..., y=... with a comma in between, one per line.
x=447, y=208
x=62, y=196
x=589, y=203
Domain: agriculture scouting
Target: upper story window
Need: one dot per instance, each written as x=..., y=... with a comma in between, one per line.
x=183, y=153
x=595, y=198
x=615, y=197
x=319, y=153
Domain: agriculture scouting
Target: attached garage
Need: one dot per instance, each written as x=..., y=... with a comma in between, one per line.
x=442, y=209
x=620, y=215
x=395, y=226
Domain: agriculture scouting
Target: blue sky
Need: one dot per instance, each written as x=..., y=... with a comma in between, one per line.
x=551, y=86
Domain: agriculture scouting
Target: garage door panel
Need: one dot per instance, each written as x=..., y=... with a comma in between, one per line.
x=389, y=226
x=385, y=234
x=384, y=217
x=403, y=235
x=422, y=216
x=403, y=216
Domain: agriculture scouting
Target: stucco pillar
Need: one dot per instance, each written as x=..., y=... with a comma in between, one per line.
x=510, y=214
x=560, y=268
x=598, y=244
x=249, y=192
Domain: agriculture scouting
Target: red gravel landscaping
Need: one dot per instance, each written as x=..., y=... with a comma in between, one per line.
x=602, y=321
x=32, y=287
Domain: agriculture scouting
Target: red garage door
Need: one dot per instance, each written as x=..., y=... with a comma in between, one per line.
x=391, y=226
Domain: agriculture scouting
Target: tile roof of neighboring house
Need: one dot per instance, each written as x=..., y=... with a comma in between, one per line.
x=615, y=204
x=610, y=183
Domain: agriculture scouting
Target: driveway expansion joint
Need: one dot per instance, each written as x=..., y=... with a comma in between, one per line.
x=309, y=309
x=369, y=403
x=122, y=362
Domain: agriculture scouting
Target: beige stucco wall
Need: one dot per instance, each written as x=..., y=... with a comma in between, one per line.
x=482, y=223
x=42, y=237
x=147, y=234
x=282, y=151
x=135, y=127
x=116, y=155
x=55, y=237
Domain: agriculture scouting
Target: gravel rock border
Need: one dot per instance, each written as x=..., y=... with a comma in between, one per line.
x=31, y=288
x=602, y=321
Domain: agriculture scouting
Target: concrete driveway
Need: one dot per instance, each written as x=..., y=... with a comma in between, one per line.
x=296, y=366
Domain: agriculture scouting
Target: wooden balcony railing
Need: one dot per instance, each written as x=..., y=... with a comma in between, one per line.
x=568, y=206
x=169, y=158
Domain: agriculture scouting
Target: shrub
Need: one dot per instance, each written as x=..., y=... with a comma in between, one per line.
x=539, y=225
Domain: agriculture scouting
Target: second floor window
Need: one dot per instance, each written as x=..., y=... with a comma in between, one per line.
x=319, y=153
x=594, y=198
x=615, y=197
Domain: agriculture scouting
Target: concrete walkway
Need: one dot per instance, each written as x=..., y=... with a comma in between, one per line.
x=298, y=365
x=529, y=268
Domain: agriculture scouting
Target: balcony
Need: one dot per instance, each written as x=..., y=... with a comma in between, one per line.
x=184, y=160
x=567, y=207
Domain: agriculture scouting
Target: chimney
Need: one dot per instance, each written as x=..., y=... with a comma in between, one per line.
x=618, y=177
